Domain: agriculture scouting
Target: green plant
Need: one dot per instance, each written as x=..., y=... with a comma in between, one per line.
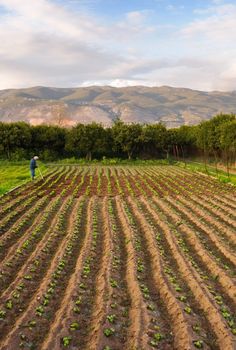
x=66, y=341
x=111, y=318
x=113, y=283
x=108, y=332
x=158, y=336
x=198, y=344
x=39, y=310
x=74, y=326
x=2, y=314
x=9, y=304
x=188, y=310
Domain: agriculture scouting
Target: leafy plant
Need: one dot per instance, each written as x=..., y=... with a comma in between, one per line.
x=108, y=332
x=74, y=326
x=66, y=341
x=188, y=310
x=111, y=318
x=198, y=344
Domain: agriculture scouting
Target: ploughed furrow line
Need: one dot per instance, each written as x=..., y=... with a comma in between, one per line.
x=118, y=182
x=103, y=183
x=194, y=242
x=225, y=339
x=65, y=322
x=77, y=191
x=166, y=302
x=23, y=259
x=24, y=192
x=211, y=219
x=15, y=217
x=167, y=185
x=67, y=181
x=128, y=189
x=9, y=220
x=208, y=236
x=20, y=229
x=103, y=296
x=148, y=188
x=15, y=243
x=78, y=332
x=217, y=213
x=23, y=298
x=216, y=203
x=226, y=202
x=137, y=337
x=193, y=315
x=24, y=234
x=208, y=276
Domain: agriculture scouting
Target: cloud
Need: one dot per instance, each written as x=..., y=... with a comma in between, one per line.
x=212, y=37
x=45, y=43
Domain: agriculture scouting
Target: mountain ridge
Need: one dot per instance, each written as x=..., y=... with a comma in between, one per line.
x=67, y=106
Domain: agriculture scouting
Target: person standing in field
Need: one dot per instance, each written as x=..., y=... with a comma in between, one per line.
x=33, y=166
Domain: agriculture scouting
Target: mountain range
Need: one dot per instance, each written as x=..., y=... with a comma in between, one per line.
x=67, y=106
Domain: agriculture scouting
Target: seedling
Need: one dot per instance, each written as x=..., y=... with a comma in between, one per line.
x=198, y=344
x=66, y=341
x=32, y=323
x=158, y=336
x=39, y=310
x=188, y=310
x=111, y=318
x=74, y=326
x=150, y=307
x=109, y=332
x=182, y=298
x=196, y=328
x=2, y=314
x=9, y=304
x=113, y=283
x=28, y=277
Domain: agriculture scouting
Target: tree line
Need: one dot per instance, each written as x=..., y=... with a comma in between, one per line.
x=213, y=138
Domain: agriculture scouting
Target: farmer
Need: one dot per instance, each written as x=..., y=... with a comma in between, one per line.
x=33, y=166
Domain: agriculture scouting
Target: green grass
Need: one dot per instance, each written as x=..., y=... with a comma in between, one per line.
x=110, y=161
x=13, y=174
x=221, y=175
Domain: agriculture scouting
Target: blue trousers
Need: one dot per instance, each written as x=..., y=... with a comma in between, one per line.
x=32, y=171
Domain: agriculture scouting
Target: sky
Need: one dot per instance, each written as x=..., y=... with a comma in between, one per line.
x=73, y=43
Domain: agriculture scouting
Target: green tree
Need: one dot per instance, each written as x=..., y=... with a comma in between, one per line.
x=15, y=138
x=48, y=141
x=87, y=140
x=228, y=141
x=127, y=138
x=154, y=138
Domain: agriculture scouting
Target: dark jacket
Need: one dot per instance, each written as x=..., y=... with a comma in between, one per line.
x=33, y=164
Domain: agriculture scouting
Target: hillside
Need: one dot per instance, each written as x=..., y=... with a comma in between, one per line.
x=68, y=106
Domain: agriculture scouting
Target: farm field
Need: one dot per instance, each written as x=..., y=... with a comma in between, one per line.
x=13, y=174
x=119, y=257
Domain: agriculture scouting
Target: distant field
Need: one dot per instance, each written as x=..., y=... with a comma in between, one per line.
x=118, y=257
x=14, y=174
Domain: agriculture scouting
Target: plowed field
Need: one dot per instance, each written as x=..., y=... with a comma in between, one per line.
x=136, y=258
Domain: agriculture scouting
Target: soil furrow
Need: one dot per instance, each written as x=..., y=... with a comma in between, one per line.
x=225, y=281
x=223, y=335
x=27, y=261
x=209, y=234
x=65, y=315
x=12, y=239
x=137, y=333
x=182, y=332
x=32, y=301
x=225, y=229
x=103, y=289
